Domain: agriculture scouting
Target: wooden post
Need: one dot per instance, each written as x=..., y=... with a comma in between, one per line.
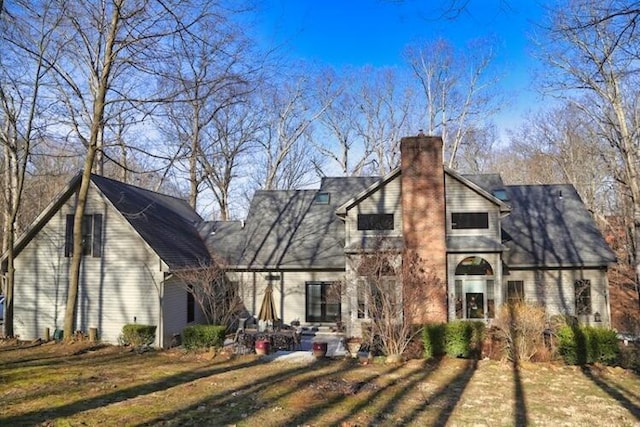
x=47, y=335
x=93, y=334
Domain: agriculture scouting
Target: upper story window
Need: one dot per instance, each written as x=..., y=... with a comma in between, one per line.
x=375, y=221
x=91, y=235
x=322, y=199
x=469, y=220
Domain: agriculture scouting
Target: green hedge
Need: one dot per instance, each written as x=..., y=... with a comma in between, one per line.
x=587, y=344
x=455, y=339
x=433, y=340
x=138, y=335
x=203, y=336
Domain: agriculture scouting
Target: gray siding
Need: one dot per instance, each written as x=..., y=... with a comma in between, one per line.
x=461, y=198
x=385, y=200
x=122, y=286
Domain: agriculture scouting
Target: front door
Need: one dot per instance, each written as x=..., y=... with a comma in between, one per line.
x=322, y=302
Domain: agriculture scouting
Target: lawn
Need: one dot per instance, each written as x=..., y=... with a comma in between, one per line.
x=79, y=384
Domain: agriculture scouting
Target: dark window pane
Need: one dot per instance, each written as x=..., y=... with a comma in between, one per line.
x=583, y=296
x=469, y=220
x=375, y=222
x=87, y=229
x=97, y=235
x=68, y=237
x=515, y=291
x=322, y=198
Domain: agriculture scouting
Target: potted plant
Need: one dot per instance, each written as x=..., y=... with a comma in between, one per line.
x=262, y=347
x=319, y=349
x=353, y=345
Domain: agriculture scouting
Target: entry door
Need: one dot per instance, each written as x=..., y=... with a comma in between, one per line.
x=323, y=302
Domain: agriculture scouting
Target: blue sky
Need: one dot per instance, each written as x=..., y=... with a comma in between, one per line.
x=374, y=32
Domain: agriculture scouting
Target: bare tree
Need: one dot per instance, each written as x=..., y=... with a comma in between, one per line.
x=108, y=52
x=592, y=51
x=389, y=287
x=215, y=65
x=26, y=33
x=217, y=296
x=459, y=88
x=290, y=111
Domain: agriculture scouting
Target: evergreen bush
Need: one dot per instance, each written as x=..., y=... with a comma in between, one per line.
x=136, y=335
x=203, y=336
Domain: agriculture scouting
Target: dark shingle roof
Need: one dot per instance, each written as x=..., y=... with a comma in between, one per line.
x=550, y=226
x=166, y=223
x=287, y=229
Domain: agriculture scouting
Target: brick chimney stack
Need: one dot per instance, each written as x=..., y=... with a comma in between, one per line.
x=424, y=228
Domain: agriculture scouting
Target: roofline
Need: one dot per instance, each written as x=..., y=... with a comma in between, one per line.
x=342, y=209
x=475, y=187
x=47, y=213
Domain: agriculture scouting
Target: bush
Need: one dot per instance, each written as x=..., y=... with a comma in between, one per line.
x=137, y=335
x=520, y=327
x=464, y=338
x=433, y=340
x=203, y=336
x=586, y=344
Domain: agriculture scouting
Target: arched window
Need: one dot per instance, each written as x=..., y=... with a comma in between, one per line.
x=474, y=266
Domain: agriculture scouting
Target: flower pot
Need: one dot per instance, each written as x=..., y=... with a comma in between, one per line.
x=353, y=348
x=319, y=349
x=262, y=347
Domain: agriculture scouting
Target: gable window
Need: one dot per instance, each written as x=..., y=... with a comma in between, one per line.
x=91, y=235
x=515, y=291
x=322, y=199
x=375, y=221
x=322, y=302
x=582, y=290
x=469, y=220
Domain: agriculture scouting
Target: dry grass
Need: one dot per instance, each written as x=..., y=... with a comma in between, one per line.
x=76, y=384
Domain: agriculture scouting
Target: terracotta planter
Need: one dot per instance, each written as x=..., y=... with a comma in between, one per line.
x=262, y=347
x=353, y=348
x=319, y=349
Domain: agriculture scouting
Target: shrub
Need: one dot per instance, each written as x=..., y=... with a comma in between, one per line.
x=463, y=338
x=203, y=336
x=137, y=335
x=433, y=340
x=586, y=344
x=520, y=327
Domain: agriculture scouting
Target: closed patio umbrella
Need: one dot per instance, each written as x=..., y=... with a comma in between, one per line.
x=268, y=308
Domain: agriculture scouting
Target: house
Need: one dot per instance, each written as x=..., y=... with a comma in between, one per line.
x=486, y=242
x=133, y=240
x=483, y=243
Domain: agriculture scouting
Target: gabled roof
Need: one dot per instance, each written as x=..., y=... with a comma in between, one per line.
x=480, y=184
x=289, y=229
x=167, y=224
x=550, y=226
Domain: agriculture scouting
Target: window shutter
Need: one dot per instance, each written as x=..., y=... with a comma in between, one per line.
x=97, y=235
x=68, y=237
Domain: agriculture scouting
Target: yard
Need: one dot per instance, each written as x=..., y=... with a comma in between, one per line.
x=80, y=384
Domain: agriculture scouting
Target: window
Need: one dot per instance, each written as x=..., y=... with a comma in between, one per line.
x=191, y=306
x=322, y=198
x=515, y=291
x=378, y=298
x=375, y=222
x=469, y=220
x=582, y=290
x=322, y=302
x=91, y=235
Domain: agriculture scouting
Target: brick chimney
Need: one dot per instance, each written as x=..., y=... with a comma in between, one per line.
x=424, y=229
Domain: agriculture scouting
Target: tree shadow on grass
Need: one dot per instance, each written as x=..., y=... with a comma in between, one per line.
x=243, y=395
x=612, y=391
x=447, y=396
x=70, y=409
